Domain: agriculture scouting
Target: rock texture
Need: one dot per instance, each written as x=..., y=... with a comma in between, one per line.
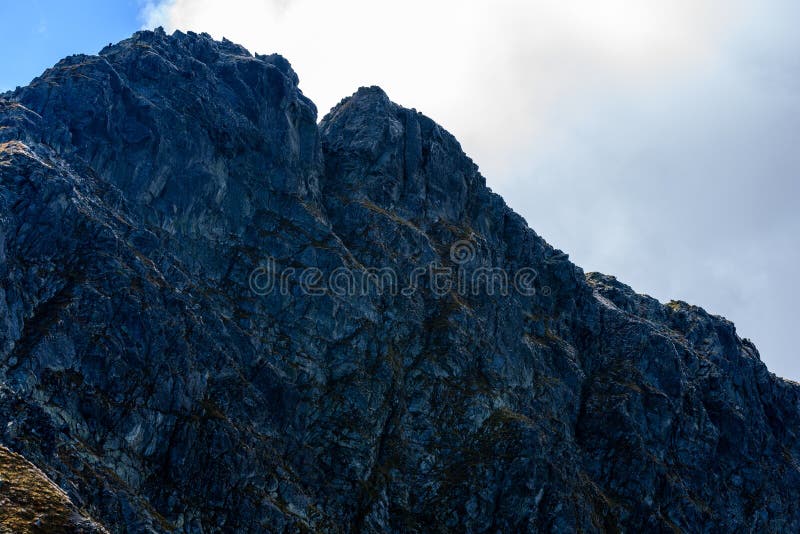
x=142, y=370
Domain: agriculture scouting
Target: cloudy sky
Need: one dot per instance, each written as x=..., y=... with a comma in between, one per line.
x=654, y=140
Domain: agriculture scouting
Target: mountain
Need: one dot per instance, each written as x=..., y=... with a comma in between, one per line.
x=218, y=315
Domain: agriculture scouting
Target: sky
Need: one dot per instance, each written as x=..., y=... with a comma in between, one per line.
x=655, y=141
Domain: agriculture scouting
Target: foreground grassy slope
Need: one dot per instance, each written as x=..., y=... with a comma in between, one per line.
x=31, y=503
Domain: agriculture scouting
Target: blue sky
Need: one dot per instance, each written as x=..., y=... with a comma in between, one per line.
x=655, y=141
x=35, y=34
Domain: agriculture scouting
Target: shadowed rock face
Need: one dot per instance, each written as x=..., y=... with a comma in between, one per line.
x=139, y=191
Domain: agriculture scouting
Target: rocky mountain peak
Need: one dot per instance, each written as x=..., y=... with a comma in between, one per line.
x=413, y=165
x=218, y=315
x=196, y=133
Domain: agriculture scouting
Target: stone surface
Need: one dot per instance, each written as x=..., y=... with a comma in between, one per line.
x=141, y=188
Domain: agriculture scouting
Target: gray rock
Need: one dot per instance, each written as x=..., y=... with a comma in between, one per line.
x=141, y=188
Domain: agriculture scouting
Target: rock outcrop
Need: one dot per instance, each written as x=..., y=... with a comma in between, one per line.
x=218, y=315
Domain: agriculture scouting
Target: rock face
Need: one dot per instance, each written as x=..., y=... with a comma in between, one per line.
x=218, y=315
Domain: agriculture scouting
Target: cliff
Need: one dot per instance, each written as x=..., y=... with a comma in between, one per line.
x=219, y=315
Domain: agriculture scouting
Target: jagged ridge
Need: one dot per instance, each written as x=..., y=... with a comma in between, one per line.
x=140, y=188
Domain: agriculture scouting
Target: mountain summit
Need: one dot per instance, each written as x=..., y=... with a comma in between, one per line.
x=217, y=315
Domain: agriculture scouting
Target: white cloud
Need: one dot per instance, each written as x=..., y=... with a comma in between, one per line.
x=507, y=62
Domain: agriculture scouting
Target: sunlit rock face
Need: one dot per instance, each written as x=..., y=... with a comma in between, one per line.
x=167, y=359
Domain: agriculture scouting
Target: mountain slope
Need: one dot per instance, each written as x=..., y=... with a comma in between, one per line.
x=156, y=372
x=30, y=502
